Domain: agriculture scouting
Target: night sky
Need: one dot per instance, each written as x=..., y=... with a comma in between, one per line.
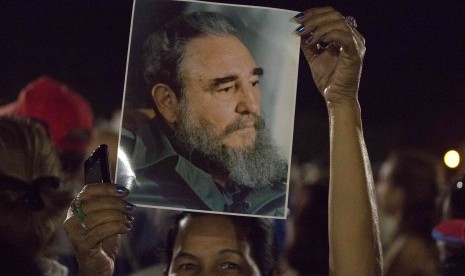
x=412, y=90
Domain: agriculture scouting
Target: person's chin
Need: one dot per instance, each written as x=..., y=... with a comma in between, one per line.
x=241, y=140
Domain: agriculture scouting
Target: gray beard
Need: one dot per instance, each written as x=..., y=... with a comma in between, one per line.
x=257, y=166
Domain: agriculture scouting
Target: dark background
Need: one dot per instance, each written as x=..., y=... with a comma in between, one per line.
x=412, y=90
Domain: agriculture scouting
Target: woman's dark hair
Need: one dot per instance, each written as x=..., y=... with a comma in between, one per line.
x=419, y=175
x=258, y=232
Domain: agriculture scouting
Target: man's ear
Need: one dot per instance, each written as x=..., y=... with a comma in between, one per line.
x=166, y=101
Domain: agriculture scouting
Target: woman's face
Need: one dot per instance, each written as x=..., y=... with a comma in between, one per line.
x=390, y=196
x=211, y=245
x=22, y=224
x=17, y=222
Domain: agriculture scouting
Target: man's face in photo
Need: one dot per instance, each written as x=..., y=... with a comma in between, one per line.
x=221, y=86
x=219, y=115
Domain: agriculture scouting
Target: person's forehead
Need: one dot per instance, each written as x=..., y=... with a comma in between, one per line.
x=210, y=226
x=217, y=55
x=216, y=44
x=217, y=232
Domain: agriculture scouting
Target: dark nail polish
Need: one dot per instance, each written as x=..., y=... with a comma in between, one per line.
x=309, y=39
x=300, y=29
x=129, y=206
x=299, y=16
x=129, y=225
x=121, y=190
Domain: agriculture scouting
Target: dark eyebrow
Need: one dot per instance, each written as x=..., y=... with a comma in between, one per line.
x=218, y=81
x=258, y=71
x=185, y=255
x=226, y=251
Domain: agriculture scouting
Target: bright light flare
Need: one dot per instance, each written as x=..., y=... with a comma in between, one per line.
x=452, y=159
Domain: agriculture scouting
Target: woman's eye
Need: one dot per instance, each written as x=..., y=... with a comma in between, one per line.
x=228, y=265
x=188, y=266
x=255, y=83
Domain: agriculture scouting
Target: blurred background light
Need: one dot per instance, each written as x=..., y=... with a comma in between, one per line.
x=452, y=159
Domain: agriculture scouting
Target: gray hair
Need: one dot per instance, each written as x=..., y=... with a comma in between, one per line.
x=164, y=49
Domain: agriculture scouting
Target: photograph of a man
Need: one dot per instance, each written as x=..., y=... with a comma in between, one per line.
x=207, y=147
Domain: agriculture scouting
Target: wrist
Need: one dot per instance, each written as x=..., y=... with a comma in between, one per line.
x=345, y=112
x=346, y=105
x=341, y=95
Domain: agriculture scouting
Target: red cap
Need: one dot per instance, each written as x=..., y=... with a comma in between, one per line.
x=452, y=231
x=62, y=109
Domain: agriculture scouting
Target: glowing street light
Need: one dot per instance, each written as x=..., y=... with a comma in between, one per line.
x=452, y=159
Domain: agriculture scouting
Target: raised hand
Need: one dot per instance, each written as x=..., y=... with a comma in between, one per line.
x=95, y=221
x=334, y=50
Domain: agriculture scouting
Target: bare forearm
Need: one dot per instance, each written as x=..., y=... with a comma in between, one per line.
x=353, y=222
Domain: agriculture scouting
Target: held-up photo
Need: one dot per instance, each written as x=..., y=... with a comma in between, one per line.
x=208, y=108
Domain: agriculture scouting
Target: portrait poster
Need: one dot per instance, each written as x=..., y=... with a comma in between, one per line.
x=207, y=125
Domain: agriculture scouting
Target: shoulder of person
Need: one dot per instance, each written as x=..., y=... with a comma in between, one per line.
x=270, y=201
x=127, y=140
x=133, y=121
x=419, y=255
x=417, y=244
x=129, y=136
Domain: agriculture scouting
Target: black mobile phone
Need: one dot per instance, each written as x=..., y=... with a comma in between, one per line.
x=97, y=167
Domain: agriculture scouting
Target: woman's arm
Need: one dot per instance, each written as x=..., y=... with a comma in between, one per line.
x=334, y=50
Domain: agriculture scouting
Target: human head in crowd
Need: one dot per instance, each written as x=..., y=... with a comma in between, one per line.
x=450, y=241
x=32, y=200
x=67, y=116
x=407, y=188
x=450, y=233
x=209, y=244
x=196, y=101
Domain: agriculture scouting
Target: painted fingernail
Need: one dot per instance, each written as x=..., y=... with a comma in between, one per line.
x=309, y=39
x=129, y=225
x=300, y=29
x=129, y=206
x=299, y=16
x=121, y=190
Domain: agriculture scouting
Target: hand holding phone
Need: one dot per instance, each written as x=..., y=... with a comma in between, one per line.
x=97, y=167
